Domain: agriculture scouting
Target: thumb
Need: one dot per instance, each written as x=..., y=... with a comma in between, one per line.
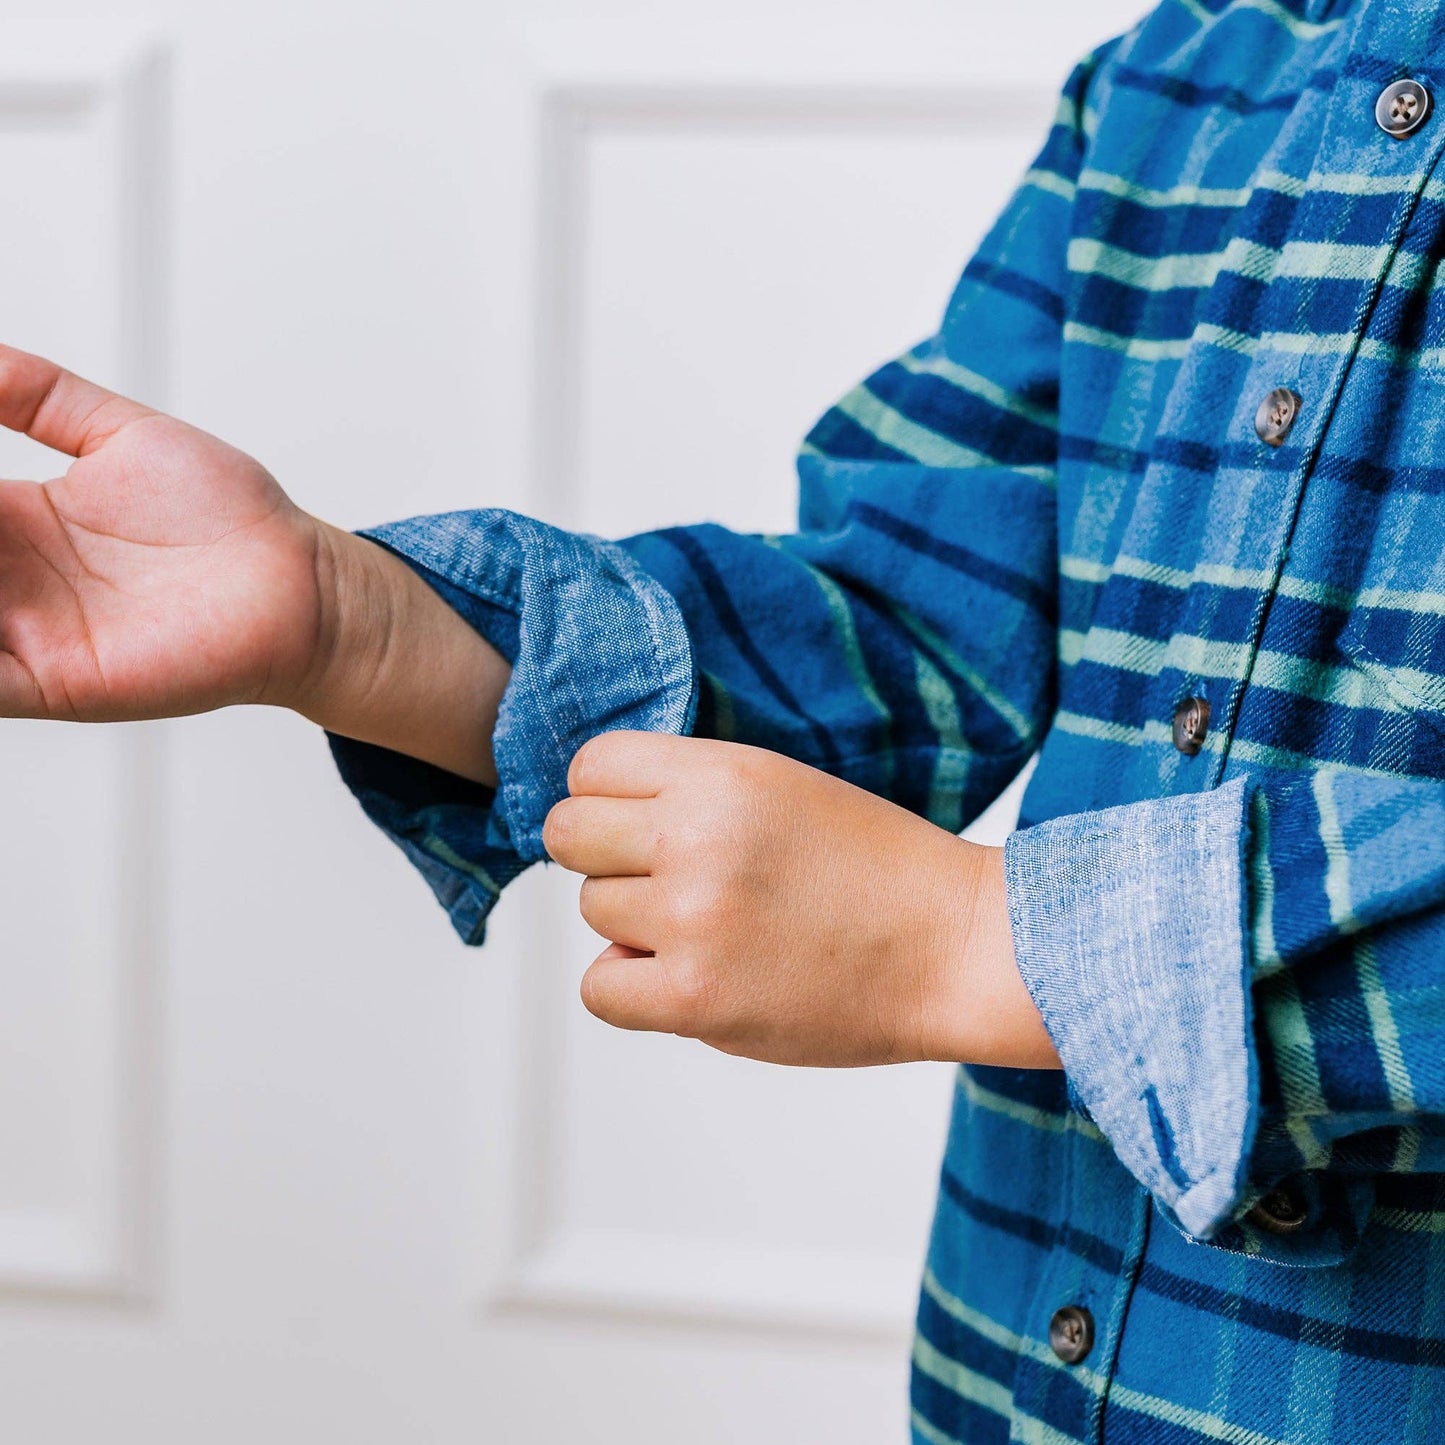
x=57, y=408
x=633, y=990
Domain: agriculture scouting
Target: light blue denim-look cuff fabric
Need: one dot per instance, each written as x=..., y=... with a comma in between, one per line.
x=596, y=645
x=1130, y=929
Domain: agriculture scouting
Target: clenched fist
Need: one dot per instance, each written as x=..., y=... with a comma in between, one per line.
x=771, y=910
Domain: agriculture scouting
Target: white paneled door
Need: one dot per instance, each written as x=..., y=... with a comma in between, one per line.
x=279, y=1160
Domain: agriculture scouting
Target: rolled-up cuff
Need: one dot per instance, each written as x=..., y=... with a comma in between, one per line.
x=1130, y=930
x=595, y=644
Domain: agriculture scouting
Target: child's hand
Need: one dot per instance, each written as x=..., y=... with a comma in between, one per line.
x=167, y=573
x=771, y=910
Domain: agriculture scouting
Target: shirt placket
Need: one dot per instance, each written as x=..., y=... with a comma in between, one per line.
x=1383, y=136
x=1078, y=1311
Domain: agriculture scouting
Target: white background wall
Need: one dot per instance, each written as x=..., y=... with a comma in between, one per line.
x=278, y=1158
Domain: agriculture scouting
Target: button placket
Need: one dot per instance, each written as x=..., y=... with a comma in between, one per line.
x=1401, y=110
x=1104, y=1206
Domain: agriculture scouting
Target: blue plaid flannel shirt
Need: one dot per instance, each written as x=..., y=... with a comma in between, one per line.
x=1054, y=528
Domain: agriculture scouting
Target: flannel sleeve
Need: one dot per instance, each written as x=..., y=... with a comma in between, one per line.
x=904, y=638
x=1246, y=987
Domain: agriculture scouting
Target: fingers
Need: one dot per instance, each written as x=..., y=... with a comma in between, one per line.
x=602, y=837
x=632, y=764
x=621, y=910
x=632, y=991
x=59, y=409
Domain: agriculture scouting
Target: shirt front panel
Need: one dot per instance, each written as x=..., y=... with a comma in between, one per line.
x=1175, y=517
x=1242, y=225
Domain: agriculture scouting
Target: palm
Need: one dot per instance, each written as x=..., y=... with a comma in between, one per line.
x=164, y=573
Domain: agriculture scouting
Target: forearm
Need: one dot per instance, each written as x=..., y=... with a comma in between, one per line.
x=398, y=667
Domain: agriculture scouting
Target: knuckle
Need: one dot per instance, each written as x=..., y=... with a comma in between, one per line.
x=580, y=766
x=588, y=902
x=692, y=992
x=670, y=848
x=699, y=910
x=677, y=838
x=739, y=779
x=559, y=832
x=731, y=771
x=594, y=994
x=591, y=759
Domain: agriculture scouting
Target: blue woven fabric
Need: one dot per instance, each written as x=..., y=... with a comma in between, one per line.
x=1040, y=532
x=1129, y=925
x=595, y=645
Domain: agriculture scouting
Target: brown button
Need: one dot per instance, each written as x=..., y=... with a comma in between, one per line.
x=1276, y=416
x=1191, y=725
x=1071, y=1333
x=1282, y=1211
x=1402, y=108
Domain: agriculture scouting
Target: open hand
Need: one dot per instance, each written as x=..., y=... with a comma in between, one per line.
x=164, y=573
x=771, y=910
x=168, y=573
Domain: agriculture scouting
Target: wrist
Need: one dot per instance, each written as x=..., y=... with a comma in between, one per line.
x=978, y=1009
x=356, y=612
x=396, y=665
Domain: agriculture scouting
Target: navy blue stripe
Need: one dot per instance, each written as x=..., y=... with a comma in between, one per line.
x=1153, y=611
x=1124, y=1426
x=737, y=633
x=1061, y=1400
x=910, y=750
x=1376, y=477
x=987, y=730
x=1109, y=305
x=951, y=1337
x=1272, y=1319
x=1406, y=743
x=1352, y=1074
x=1411, y=1193
x=1045, y=1234
x=1244, y=304
x=1269, y=218
x=1013, y=283
x=841, y=438
x=1354, y=735
x=1363, y=474
x=961, y=416
x=1188, y=93
x=1347, y=1339
x=1060, y=156
x=958, y=558
x=1184, y=229
x=953, y=1415
x=1057, y=1397
x=705, y=725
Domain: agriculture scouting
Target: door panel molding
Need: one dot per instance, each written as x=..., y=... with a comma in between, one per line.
x=98, y=1242
x=560, y=1267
